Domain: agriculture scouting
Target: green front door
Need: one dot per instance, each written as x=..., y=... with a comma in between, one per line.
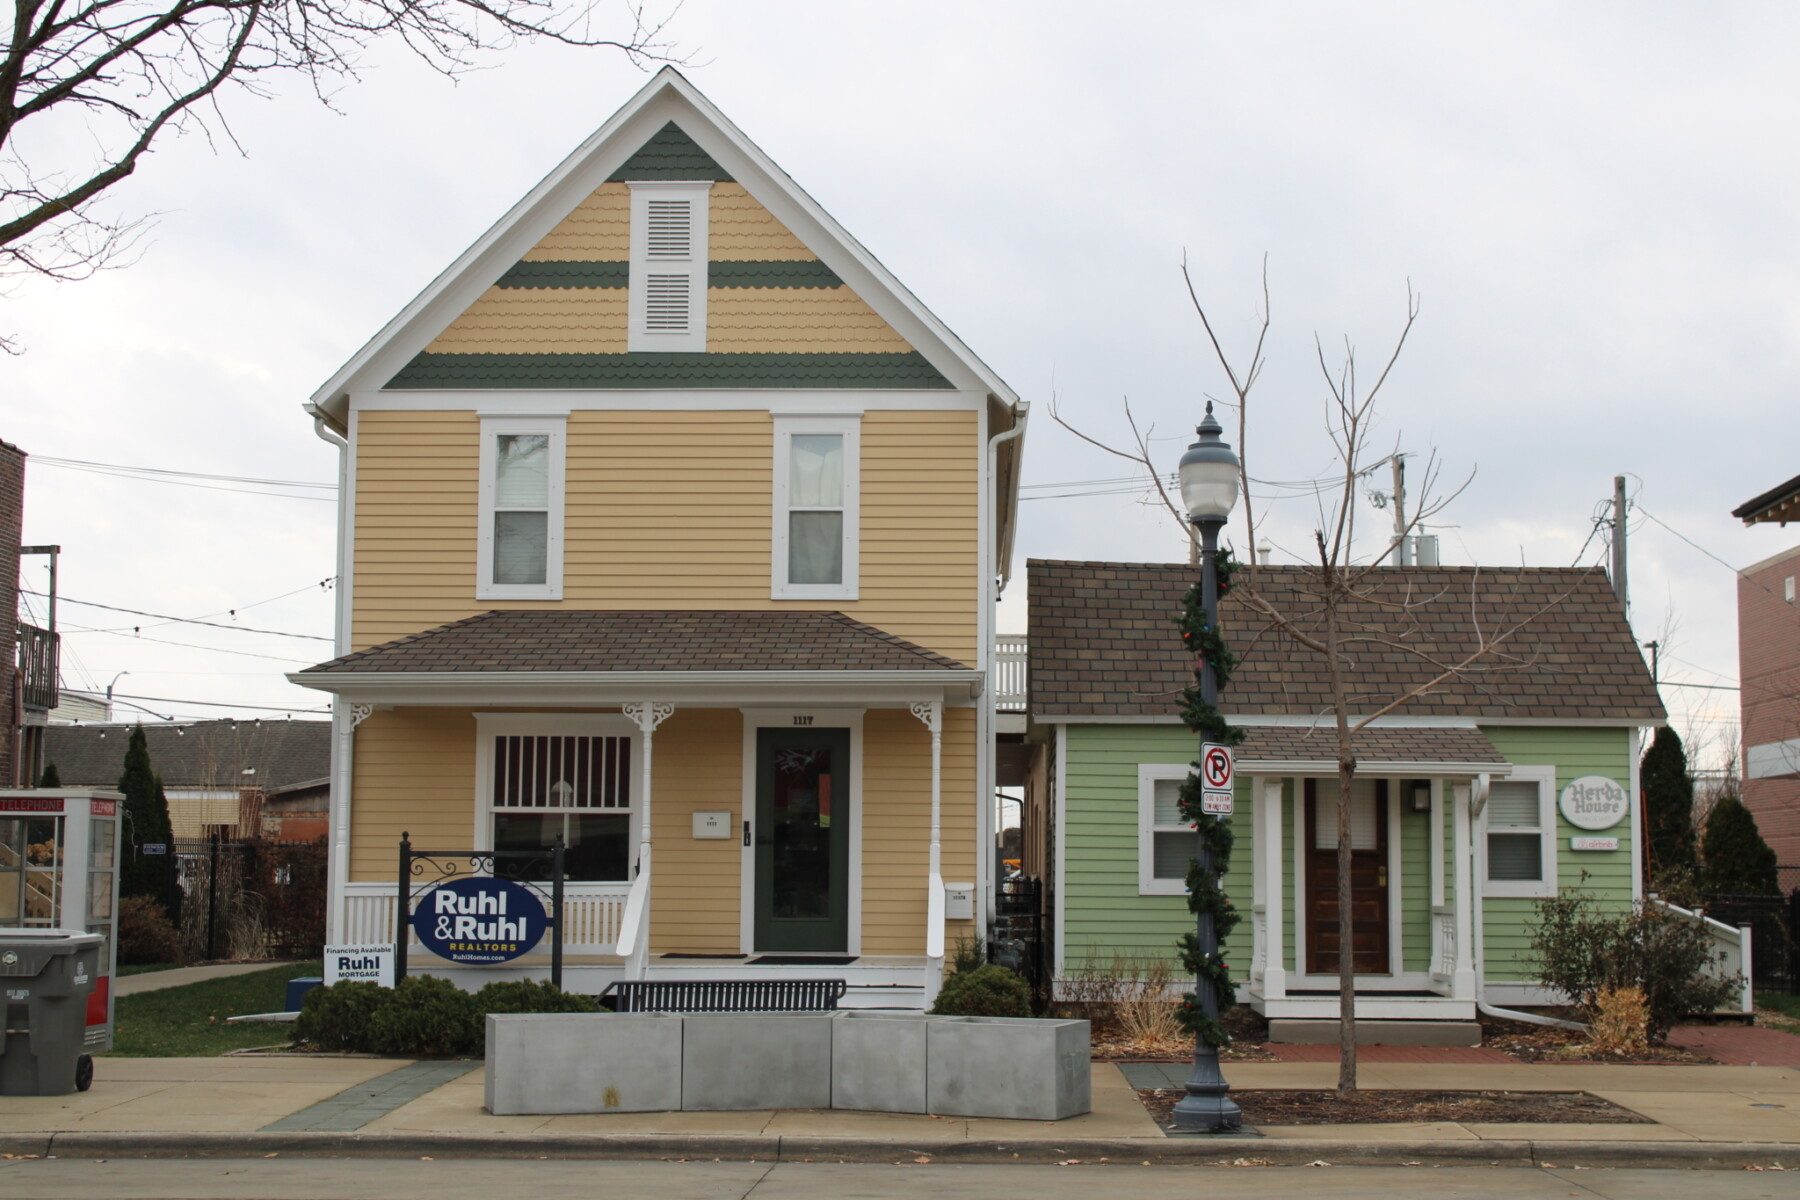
x=803, y=839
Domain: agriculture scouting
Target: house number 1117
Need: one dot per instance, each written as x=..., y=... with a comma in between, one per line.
x=803, y=720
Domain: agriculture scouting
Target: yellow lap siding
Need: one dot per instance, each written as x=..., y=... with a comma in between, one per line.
x=597, y=230
x=697, y=760
x=742, y=230
x=796, y=321
x=539, y=321
x=896, y=840
x=414, y=772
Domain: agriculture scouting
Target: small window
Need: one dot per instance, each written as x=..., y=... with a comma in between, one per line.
x=667, y=298
x=1166, y=843
x=1520, y=837
x=816, y=508
x=548, y=776
x=1787, y=589
x=520, y=550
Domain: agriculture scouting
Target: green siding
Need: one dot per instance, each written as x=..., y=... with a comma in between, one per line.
x=556, y=274
x=1103, y=914
x=1574, y=752
x=670, y=154
x=669, y=370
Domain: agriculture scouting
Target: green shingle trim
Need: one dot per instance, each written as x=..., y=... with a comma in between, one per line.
x=800, y=273
x=566, y=275
x=665, y=370
x=670, y=154
x=803, y=273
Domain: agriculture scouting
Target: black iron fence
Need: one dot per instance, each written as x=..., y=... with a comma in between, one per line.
x=243, y=899
x=1021, y=935
x=1774, y=924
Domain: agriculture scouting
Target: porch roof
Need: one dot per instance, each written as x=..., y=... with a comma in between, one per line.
x=1433, y=750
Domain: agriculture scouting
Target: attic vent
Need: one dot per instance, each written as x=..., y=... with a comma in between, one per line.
x=666, y=303
x=669, y=229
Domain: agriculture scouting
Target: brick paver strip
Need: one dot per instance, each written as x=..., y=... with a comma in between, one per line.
x=355, y=1107
x=1739, y=1045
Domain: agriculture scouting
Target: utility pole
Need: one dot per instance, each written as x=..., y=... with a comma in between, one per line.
x=1618, y=543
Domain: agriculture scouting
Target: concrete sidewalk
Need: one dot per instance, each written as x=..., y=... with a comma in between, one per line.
x=156, y=981
x=252, y=1105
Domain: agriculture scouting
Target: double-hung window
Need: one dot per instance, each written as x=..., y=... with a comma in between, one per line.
x=817, y=511
x=1519, y=834
x=519, y=554
x=545, y=776
x=666, y=304
x=1166, y=843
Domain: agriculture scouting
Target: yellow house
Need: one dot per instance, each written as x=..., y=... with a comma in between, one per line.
x=672, y=524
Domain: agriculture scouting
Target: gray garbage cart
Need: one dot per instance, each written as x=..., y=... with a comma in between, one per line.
x=45, y=978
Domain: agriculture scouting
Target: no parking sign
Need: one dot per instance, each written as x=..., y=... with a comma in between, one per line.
x=1216, y=769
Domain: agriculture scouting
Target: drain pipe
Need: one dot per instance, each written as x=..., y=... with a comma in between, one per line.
x=1513, y=1014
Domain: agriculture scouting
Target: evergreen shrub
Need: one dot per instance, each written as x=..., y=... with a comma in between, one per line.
x=146, y=935
x=426, y=1015
x=530, y=996
x=984, y=992
x=1735, y=859
x=337, y=1017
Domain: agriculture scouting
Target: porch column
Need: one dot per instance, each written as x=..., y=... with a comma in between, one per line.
x=932, y=714
x=1268, y=869
x=634, y=933
x=1462, y=980
x=345, y=718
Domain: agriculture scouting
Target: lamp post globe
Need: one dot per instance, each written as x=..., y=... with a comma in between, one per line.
x=1209, y=490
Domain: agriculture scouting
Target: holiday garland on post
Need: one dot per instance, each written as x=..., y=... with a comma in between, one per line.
x=1205, y=896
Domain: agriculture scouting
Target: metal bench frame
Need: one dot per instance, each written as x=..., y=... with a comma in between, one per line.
x=725, y=995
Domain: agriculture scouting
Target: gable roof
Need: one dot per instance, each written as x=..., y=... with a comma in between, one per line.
x=546, y=640
x=1780, y=503
x=641, y=129
x=201, y=754
x=1103, y=643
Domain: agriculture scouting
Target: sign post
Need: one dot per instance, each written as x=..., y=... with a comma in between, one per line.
x=1217, y=769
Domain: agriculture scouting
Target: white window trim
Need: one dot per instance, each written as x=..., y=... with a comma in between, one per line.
x=641, y=338
x=556, y=427
x=786, y=428
x=489, y=726
x=1545, y=778
x=1148, y=775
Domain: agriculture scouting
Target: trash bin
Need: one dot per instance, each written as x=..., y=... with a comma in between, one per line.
x=45, y=978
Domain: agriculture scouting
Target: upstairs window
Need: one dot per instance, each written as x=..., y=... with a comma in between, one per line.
x=816, y=511
x=1520, y=838
x=667, y=300
x=519, y=556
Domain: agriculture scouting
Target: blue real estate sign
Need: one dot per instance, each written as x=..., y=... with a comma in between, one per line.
x=479, y=920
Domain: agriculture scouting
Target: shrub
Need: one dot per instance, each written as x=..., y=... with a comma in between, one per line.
x=1735, y=859
x=337, y=1017
x=1621, y=1021
x=529, y=996
x=426, y=1015
x=1579, y=949
x=146, y=934
x=984, y=992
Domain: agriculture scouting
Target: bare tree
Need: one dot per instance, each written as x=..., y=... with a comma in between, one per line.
x=87, y=87
x=1336, y=578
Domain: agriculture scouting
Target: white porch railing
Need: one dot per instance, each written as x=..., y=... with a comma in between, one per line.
x=1731, y=949
x=593, y=913
x=1443, y=947
x=1009, y=672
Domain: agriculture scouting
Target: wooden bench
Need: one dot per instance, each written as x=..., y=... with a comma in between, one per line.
x=724, y=995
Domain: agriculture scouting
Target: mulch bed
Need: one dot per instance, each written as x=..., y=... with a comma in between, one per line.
x=1393, y=1106
x=1537, y=1044
x=1247, y=1029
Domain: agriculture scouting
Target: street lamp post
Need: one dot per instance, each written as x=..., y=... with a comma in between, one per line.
x=1209, y=490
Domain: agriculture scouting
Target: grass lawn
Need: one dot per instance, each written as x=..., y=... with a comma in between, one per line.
x=189, y=1021
x=1779, y=1010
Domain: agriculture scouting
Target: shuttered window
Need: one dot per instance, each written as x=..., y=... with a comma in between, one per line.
x=667, y=300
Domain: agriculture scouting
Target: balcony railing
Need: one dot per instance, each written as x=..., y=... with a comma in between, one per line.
x=1009, y=673
x=37, y=666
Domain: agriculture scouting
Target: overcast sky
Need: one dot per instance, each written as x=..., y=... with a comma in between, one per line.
x=1594, y=206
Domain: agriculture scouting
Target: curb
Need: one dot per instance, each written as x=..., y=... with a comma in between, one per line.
x=1210, y=1151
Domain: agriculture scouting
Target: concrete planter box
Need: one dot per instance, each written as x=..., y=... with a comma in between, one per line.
x=737, y=1061
x=583, y=1063
x=878, y=1061
x=1014, y=1067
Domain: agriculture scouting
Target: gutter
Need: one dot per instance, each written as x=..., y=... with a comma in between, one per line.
x=1021, y=413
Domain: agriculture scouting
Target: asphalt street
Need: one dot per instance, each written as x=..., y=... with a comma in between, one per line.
x=451, y=1179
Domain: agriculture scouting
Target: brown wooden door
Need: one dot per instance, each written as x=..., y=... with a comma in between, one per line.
x=1368, y=879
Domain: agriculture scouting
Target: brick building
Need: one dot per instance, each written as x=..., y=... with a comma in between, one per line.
x=12, y=518
x=1769, y=673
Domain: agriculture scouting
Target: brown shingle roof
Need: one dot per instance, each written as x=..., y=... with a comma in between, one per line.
x=200, y=754
x=1103, y=643
x=1308, y=743
x=566, y=640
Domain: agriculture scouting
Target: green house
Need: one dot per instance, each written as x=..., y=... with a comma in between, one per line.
x=1477, y=790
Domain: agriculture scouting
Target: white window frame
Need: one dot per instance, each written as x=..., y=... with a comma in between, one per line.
x=556, y=428
x=1548, y=837
x=1148, y=776
x=489, y=726
x=787, y=427
x=641, y=338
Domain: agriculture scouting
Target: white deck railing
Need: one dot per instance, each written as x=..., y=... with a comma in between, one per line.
x=1443, y=946
x=593, y=913
x=1009, y=672
x=1731, y=949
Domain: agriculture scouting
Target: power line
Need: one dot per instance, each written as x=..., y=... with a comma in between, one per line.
x=186, y=645
x=176, y=620
x=221, y=704
x=188, y=478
